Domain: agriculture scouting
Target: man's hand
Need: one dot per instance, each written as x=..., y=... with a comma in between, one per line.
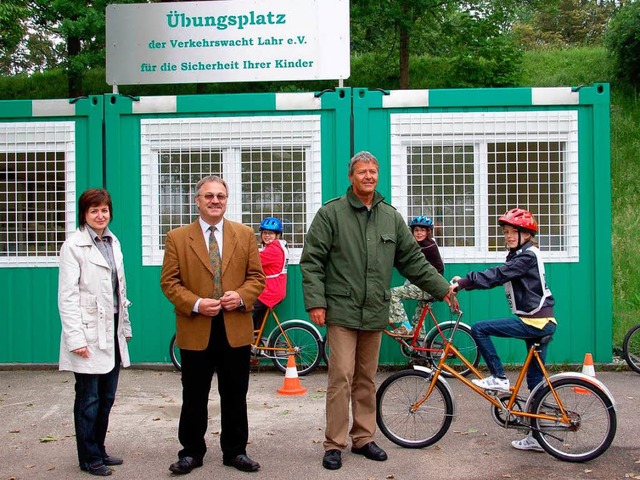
x=452, y=301
x=209, y=307
x=230, y=300
x=317, y=316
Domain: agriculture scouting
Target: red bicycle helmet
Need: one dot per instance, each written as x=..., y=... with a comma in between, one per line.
x=520, y=219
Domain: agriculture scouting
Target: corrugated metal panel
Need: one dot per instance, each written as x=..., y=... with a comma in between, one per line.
x=582, y=288
x=29, y=299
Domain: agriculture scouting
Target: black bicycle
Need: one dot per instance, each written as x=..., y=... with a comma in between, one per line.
x=631, y=348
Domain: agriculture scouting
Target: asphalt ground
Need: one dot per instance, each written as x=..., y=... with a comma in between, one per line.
x=286, y=433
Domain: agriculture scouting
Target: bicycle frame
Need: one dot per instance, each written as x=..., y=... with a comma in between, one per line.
x=450, y=349
x=413, y=344
x=290, y=349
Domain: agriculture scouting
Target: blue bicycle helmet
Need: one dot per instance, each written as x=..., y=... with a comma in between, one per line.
x=421, y=221
x=271, y=223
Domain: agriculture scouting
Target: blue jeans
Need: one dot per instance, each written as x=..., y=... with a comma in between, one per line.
x=95, y=394
x=510, y=328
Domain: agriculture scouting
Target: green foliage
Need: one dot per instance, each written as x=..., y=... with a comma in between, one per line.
x=475, y=36
x=623, y=42
x=480, y=50
x=12, y=28
x=50, y=84
x=562, y=23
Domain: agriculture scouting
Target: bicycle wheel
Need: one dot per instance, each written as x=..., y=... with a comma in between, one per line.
x=174, y=353
x=308, y=348
x=593, y=420
x=631, y=348
x=462, y=340
x=404, y=427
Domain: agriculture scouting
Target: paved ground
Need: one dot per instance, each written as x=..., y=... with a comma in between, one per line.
x=37, y=442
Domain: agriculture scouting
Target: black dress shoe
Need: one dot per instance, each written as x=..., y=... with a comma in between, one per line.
x=109, y=460
x=371, y=451
x=98, y=470
x=332, y=459
x=185, y=465
x=242, y=463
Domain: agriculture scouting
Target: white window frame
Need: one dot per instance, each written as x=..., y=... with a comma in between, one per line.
x=42, y=137
x=230, y=135
x=479, y=129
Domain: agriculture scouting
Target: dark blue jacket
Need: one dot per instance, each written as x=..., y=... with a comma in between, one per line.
x=521, y=269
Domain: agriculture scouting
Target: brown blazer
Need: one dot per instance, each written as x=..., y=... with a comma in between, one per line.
x=187, y=275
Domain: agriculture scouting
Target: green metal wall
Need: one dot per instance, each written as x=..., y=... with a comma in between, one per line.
x=351, y=120
x=151, y=312
x=582, y=290
x=31, y=326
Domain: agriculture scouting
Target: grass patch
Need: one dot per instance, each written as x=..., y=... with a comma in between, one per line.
x=565, y=67
x=625, y=193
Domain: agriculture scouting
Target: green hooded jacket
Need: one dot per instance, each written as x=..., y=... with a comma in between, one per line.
x=348, y=259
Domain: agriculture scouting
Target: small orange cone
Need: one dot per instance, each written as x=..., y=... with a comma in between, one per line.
x=587, y=369
x=292, y=384
x=587, y=366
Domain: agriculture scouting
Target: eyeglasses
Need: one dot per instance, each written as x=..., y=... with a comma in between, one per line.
x=210, y=196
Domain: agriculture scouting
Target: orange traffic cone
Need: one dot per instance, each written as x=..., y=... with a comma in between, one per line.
x=292, y=384
x=587, y=369
x=587, y=366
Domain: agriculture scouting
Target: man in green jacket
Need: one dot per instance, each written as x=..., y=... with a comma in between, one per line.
x=350, y=250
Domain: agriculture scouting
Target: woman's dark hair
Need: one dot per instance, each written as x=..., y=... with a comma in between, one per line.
x=92, y=198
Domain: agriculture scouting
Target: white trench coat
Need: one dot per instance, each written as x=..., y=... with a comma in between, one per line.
x=85, y=303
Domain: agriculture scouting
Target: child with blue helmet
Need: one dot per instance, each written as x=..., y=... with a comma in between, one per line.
x=274, y=256
x=422, y=229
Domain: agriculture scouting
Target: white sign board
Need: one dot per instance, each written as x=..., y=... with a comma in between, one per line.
x=227, y=41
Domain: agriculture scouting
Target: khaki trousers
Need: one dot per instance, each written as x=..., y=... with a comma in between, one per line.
x=353, y=363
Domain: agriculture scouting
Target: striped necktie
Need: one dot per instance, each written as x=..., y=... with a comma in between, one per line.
x=216, y=263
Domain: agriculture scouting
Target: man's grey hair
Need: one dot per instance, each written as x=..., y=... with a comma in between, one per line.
x=211, y=178
x=365, y=157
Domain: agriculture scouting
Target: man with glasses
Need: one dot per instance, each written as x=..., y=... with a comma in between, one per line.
x=212, y=274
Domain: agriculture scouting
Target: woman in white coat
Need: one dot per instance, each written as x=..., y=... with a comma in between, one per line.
x=93, y=305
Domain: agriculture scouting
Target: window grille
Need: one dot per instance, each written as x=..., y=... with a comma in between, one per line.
x=271, y=165
x=37, y=191
x=466, y=169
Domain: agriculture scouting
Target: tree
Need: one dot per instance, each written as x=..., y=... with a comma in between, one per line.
x=81, y=25
x=562, y=23
x=476, y=33
x=623, y=43
x=12, y=30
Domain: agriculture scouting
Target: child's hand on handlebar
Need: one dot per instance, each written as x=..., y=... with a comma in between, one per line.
x=453, y=285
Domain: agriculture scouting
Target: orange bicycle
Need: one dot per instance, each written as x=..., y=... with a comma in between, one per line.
x=428, y=347
x=292, y=337
x=571, y=415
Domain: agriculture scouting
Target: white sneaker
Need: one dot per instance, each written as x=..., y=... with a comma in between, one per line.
x=492, y=383
x=527, y=443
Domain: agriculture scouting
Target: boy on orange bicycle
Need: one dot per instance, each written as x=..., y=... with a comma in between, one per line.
x=529, y=297
x=274, y=256
x=422, y=229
